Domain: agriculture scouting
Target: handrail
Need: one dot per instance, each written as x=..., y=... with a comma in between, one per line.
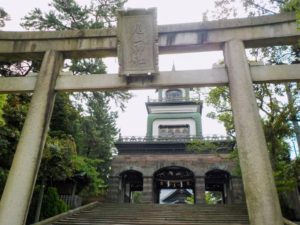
x=288, y=222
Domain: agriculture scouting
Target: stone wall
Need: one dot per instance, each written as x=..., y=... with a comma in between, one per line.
x=199, y=164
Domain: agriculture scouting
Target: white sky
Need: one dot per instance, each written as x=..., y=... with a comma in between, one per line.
x=133, y=120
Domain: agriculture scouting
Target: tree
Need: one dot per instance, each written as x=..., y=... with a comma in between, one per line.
x=97, y=131
x=277, y=102
x=234, y=8
x=65, y=117
x=293, y=5
x=89, y=167
x=68, y=14
x=85, y=116
x=56, y=165
x=51, y=206
x=275, y=55
x=72, y=112
x=96, y=127
x=14, y=112
x=3, y=17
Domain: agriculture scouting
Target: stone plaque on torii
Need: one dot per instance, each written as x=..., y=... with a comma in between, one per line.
x=137, y=37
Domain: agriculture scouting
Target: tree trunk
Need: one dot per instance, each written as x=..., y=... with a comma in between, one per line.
x=294, y=121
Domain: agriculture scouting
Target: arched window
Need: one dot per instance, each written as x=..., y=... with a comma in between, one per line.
x=174, y=95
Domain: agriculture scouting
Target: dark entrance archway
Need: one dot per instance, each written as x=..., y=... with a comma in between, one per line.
x=217, y=185
x=131, y=181
x=173, y=184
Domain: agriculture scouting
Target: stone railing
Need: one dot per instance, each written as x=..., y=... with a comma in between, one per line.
x=157, y=139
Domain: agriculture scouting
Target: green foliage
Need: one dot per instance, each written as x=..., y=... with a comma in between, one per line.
x=60, y=161
x=89, y=167
x=68, y=14
x=87, y=66
x=234, y=156
x=190, y=200
x=65, y=116
x=219, y=98
x=285, y=176
x=276, y=116
x=51, y=206
x=14, y=111
x=3, y=177
x=80, y=123
x=276, y=120
x=2, y=103
x=225, y=9
x=3, y=17
x=137, y=197
x=95, y=128
x=294, y=5
x=85, y=116
x=277, y=102
x=56, y=162
x=213, y=198
x=199, y=146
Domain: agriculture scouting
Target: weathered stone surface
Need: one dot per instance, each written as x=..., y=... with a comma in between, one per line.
x=260, y=190
x=199, y=164
x=147, y=194
x=238, y=195
x=137, y=42
x=193, y=37
x=190, y=78
x=200, y=190
x=150, y=214
x=19, y=186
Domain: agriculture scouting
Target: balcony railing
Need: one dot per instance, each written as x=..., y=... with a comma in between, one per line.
x=174, y=99
x=185, y=139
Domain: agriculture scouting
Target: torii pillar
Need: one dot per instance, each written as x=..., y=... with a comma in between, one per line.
x=20, y=183
x=261, y=195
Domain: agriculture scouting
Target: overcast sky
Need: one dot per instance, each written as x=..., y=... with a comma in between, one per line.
x=168, y=12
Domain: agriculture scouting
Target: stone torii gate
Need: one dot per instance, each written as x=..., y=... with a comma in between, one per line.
x=231, y=36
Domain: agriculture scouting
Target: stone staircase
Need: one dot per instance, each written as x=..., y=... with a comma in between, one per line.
x=154, y=214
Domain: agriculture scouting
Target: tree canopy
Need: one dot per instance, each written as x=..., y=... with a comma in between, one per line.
x=88, y=117
x=83, y=125
x=278, y=103
x=3, y=17
x=69, y=14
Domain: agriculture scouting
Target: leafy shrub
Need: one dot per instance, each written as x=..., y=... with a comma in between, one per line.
x=51, y=206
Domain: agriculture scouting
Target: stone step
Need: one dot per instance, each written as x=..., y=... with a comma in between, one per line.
x=150, y=214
